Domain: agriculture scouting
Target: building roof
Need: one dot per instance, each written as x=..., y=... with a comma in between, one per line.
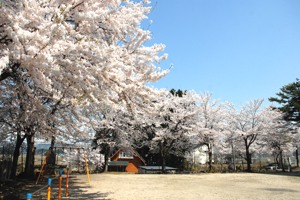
x=126, y=149
x=154, y=168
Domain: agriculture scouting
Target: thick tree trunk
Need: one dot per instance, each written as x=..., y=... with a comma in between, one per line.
x=281, y=160
x=29, y=164
x=248, y=156
x=52, y=142
x=19, y=143
x=106, y=157
x=105, y=169
x=52, y=156
x=248, y=159
x=163, y=164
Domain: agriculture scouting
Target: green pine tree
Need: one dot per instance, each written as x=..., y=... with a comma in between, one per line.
x=289, y=99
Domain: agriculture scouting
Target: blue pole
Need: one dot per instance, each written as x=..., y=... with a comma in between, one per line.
x=49, y=182
x=60, y=172
x=28, y=196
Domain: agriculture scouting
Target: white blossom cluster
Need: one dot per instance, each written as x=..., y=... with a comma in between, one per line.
x=86, y=51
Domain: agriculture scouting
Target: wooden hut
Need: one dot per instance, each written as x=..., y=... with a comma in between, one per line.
x=126, y=159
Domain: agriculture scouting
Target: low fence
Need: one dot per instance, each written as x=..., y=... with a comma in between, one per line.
x=6, y=161
x=5, y=169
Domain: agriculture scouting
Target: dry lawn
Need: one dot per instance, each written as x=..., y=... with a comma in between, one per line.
x=201, y=186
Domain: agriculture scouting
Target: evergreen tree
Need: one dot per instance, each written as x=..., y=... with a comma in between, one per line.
x=289, y=99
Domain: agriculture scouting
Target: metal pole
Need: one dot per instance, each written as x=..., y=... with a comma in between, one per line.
x=67, y=183
x=60, y=183
x=87, y=168
x=49, y=189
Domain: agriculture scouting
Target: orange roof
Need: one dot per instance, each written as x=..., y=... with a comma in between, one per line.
x=134, y=153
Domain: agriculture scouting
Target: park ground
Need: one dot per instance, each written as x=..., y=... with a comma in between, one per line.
x=237, y=186
x=120, y=186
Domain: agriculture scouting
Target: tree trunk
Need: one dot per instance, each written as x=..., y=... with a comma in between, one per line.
x=260, y=165
x=297, y=157
x=106, y=156
x=248, y=159
x=289, y=163
x=248, y=156
x=163, y=159
x=233, y=157
x=19, y=143
x=52, y=142
x=29, y=164
x=243, y=164
x=163, y=164
x=105, y=169
x=52, y=156
x=281, y=160
x=209, y=157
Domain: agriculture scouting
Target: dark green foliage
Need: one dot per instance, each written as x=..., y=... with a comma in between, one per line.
x=103, y=139
x=289, y=99
x=178, y=92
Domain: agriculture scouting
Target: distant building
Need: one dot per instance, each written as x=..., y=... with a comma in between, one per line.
x=126, y=159
x=198, y=155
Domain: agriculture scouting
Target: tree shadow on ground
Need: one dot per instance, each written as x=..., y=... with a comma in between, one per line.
x=14, y=189
x=79, y=192
x=17, y=190
x=295, y=172
x=279, y=190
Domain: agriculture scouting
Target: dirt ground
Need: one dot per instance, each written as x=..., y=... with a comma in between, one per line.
x=238, y=186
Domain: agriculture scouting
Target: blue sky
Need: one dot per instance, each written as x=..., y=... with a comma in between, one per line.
x=236, y=49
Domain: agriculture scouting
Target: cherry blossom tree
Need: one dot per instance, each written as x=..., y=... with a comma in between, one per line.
x=231, y=142
x=168, y=125
x=78, y=52
x=210, y=124
x=83, y=50
x=251, y=123
x=247, y=125
x=296, y=141
x=104, y=140
x=24, y=114
x=80, y=158
x=278, y=137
